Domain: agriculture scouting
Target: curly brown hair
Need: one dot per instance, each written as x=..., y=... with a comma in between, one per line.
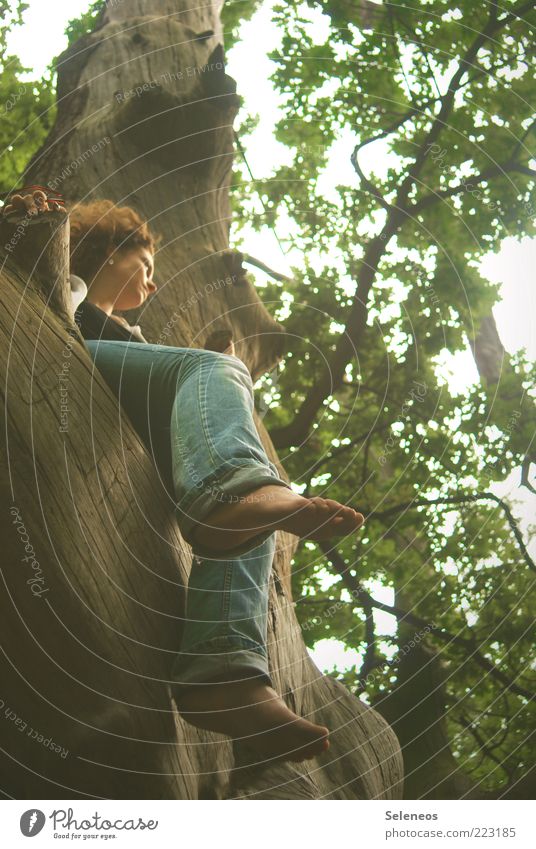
x=99, y=228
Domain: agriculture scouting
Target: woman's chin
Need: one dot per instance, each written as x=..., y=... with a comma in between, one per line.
x=131, y=304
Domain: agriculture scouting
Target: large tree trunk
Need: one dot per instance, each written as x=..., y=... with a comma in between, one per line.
x=88, y=647
x=416, y=707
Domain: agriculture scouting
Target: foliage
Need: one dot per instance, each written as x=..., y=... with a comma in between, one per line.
x=27, y=106
x=440, y=118
x=79, y=27
x=8, y=17
x=233, y=15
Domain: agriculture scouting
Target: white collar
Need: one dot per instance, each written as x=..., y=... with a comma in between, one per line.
x=78, y=291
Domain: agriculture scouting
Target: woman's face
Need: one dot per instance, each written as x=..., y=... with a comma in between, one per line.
x=132, y=276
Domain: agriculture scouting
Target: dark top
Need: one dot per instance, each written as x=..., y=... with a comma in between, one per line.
x=95, y=324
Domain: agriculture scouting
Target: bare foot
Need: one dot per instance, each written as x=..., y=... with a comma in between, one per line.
x=275, y=507
x=253, y=713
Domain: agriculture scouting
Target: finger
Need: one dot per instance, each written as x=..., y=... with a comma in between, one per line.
x=29, y=204
x=40, y=201
x=17, y=201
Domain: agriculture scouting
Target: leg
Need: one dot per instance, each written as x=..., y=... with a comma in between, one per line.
x=225, y=630
x=193, y=410
x=216, y=456
x=221, y=675
x=143, y=377
x=230, y=496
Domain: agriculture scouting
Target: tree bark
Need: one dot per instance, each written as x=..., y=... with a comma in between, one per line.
x=88, y=648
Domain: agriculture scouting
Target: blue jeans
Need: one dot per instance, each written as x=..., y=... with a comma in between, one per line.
x=193, y=409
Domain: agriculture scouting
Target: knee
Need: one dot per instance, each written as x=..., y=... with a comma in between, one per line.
x=239, y=368
x=237, y=364
x=225, y=362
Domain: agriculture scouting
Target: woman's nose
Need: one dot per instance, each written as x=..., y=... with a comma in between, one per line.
x=151, y=285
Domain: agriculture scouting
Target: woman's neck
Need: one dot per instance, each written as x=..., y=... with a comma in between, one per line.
x=102, y=304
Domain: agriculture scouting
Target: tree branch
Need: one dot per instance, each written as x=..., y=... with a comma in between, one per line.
x=258, y=263
x=524, y=169
x=421, y=45
x=471, y=182
x=370, y=660
x=359, y=593
x=463, y=499
x=348, y=343
x=483, y=747
x=368, y=184
x=493, y=26
x=400, y=121
x=522, y=139
x=525, y=473
x=331, y=376
x=341, y=449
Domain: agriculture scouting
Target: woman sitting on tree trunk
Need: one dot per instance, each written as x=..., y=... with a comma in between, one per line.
x=193, y=410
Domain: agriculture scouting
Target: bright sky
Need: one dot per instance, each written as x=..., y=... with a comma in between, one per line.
x=513, y=267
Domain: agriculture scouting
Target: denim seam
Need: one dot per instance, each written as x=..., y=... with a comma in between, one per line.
x=224, y=643
x=180, y=442
x=224, y=471
x=203, y=405
x=204, y=419
x=245, y=548
x=226, y=593
x=195, y=671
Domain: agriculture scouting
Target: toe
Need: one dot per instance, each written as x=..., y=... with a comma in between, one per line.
x=334, y=505
x=341, y=510
x=322, y=508
x=343, y=517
